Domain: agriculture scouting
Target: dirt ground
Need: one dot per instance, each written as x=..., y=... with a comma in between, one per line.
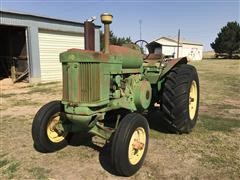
x=211, y=151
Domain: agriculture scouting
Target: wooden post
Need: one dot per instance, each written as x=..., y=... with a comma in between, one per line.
x=11, y=59
x=13, y=72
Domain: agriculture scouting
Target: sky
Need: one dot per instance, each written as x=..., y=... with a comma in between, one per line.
x=198, y=20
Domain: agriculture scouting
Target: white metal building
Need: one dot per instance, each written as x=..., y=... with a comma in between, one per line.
x=168, y=47
x=34, y=42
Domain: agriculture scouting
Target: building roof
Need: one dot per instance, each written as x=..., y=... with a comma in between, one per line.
x=182, y=41
x=42, y=17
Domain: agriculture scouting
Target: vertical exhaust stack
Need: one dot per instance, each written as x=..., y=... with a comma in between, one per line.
x=106, y=19
x=89, y=34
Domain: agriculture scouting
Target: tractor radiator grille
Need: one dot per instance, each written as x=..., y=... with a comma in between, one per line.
x=81, y=82
x=89, y=82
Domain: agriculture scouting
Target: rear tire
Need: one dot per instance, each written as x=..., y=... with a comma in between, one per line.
x=130, y=144
x=45, y=138
x=179, y=99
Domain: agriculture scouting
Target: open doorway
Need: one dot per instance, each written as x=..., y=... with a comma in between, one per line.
x=13, y=53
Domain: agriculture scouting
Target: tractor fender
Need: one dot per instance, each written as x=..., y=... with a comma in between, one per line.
x=172, y=63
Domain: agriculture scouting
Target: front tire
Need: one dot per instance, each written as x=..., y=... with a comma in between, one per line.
x=179, y=100
x=130, y=144
x=45, y=136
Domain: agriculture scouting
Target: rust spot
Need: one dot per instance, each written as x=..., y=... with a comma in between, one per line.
x=120, y=50
x=114, y=50
x=175, y=61
x=152, y=59
x=101, y=56
x=151, y=62
x=137, y=145
x=153, y=56
x=80, y=50
x=94, y=54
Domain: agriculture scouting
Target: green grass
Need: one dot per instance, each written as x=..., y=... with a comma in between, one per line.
x=3, y=162
x=156, y=134
x=25, y=103
x=220, y=153
x=39, y=173
x=212, y=146
x=45, y=88
x=84, y=155
x=225, y=106
x=11, y=120
x=214, y=123
x=11, y=169
x=7, y=95
x=215, y=139
x=43, y=84
x=42, y=90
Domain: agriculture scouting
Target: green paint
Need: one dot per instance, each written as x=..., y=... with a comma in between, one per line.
x=95, y=83
x=101, y=131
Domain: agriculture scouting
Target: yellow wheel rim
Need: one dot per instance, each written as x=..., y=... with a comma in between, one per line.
x=137, y=146
x=193, y=100
x=52, y=133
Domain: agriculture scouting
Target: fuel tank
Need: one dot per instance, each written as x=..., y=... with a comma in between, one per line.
x=130, y=58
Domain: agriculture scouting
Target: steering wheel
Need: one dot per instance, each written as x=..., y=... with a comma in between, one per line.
x=143, y=46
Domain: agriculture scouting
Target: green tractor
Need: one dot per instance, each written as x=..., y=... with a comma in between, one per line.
x=107, y=94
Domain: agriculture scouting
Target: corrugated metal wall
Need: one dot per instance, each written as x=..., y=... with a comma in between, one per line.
x=51, y=44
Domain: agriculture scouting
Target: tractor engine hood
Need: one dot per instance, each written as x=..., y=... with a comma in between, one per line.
x=129, y=58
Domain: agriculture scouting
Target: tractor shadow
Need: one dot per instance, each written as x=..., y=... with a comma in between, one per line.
x=155, y=122
x=104, y=150
x=105, y=159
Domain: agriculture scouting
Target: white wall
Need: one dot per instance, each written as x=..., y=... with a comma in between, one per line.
x=193, y=52
x=51, y=44
x=169, y=50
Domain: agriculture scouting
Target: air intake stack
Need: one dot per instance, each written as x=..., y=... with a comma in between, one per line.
x=106, y=19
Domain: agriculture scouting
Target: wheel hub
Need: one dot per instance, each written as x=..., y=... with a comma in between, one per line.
x=53, y=132
x=136, y=145
x=193, y=100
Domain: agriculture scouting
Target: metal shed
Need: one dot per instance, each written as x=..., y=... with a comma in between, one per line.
x=30, y=45
x=168, y=46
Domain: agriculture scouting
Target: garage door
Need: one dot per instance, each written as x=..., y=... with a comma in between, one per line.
x=51, y=44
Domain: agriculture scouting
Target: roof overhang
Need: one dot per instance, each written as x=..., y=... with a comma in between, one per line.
x=43, y=17
x=181, y=42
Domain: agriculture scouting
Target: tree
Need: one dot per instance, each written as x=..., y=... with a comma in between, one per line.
x=114, y=40
x=228, y=39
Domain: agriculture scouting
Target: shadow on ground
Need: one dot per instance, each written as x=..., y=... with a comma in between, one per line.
x=155, y=122
x=104, y=151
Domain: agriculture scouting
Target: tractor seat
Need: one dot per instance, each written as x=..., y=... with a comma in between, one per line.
x=153, y=58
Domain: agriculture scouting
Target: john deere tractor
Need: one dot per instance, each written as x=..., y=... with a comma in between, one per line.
x=107, y=94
